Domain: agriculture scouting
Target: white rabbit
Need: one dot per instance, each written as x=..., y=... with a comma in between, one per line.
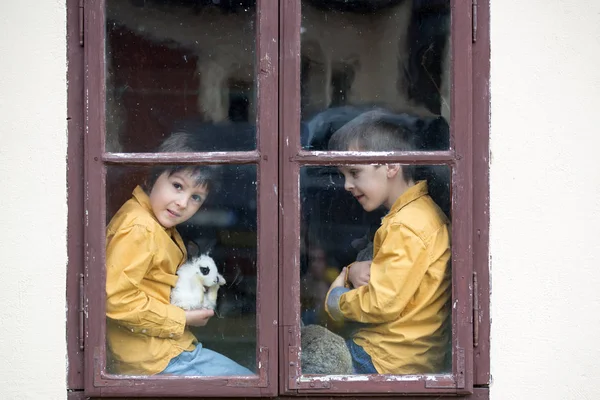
x=198, y=284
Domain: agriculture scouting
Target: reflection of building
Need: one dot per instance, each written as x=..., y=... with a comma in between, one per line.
x=360, y=54
x=347, y=57
x=222, y=45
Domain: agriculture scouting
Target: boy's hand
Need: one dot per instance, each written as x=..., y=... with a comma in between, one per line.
x=360, y=273
x=198, y=317
x=340, y=280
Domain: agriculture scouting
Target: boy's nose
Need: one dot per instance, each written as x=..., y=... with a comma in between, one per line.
x=182, y=201
x=348, y=185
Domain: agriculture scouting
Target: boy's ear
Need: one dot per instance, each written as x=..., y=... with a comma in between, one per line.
x=392, y=170
x=192, y=249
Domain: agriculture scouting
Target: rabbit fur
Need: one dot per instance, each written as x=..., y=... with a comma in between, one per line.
x=198, y=284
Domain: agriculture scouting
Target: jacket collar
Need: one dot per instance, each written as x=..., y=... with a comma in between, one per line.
x=412, y=193
x=142, y=198
x=144, y=201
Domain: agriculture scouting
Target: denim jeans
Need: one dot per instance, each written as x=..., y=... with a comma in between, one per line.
x=361, y=360
x=204, y=362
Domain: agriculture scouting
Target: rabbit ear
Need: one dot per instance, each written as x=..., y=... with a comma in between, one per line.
x=192, y=249
x=207, y=246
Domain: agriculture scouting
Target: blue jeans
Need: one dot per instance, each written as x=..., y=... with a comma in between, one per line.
x=204, y=362
x=361, y=360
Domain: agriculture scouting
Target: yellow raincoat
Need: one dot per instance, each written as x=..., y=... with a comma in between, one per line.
x=144, y=330
x=406, y=303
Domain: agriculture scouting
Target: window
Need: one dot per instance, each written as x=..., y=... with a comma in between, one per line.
x=261, y=86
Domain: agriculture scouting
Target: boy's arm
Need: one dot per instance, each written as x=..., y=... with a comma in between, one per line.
x=396, y=273
x=129, y=256
x=332, y=298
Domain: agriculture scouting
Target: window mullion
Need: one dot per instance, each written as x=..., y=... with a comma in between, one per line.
x=462, y=199
x=230, y=157
x=95, y=197
x=268, y=172
x=289, y=143
x=481, y=196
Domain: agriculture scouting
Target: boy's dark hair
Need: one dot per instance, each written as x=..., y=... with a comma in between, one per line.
x=180, y=142
x=376, y=130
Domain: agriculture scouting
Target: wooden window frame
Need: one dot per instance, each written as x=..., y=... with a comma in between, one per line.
x=470, y=30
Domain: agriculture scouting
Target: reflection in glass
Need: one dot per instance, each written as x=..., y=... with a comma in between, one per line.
x=225, y=224
x=336, y=231
x=180, y=64
x=392, y=54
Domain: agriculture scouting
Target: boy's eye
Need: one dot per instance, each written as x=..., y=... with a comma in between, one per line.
x=197, y=198
x=204, y=270
x=177, y=185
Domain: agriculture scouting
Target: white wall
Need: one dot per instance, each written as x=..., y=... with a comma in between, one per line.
x=545, y=207
x=545, y=199
x=33, y=211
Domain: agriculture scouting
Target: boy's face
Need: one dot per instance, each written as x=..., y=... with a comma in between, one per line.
x=370, y=184
x=175, y=198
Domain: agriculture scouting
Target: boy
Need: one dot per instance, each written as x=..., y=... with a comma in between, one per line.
x=403, y=302
x=146, y=334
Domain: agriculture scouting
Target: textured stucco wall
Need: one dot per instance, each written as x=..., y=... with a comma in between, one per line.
x=545, y=199
x=33, y=209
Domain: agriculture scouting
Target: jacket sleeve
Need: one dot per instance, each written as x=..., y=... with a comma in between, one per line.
x=129, y=256
x=396, y=274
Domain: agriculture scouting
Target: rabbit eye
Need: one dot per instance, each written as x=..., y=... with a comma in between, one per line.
x=204, y=270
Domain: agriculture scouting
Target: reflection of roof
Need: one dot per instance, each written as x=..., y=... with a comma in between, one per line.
x=354, y=5
x=222, y=136
x=226, y=5
x=431, y=133
x=375, y=5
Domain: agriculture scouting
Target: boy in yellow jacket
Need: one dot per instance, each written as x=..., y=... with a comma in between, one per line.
x=402, y=297
x=146, y=334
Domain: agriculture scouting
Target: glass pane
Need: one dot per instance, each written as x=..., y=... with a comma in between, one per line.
x=358, y=55
x=180, y=65
x=147, y=292
x=392, y=222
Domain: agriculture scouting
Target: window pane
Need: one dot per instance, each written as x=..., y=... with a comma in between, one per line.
x=180, y=65
x=390, y=54
x=401, y=318
x=143, y=253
